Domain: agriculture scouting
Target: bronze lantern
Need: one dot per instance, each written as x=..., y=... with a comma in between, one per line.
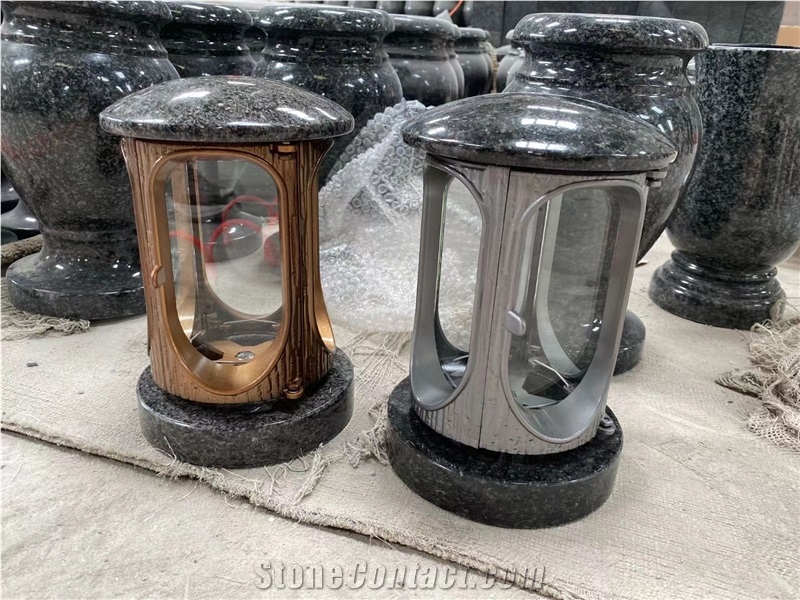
x=244, y=370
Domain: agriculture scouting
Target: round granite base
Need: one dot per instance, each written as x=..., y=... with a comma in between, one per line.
x=75, y=291
x=246, y=435
x=734, y=300
x=631, y=344
x=494, y=488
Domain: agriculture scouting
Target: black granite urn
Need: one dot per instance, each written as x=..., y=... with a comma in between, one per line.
x=208, y=39
x=504, y=420
x=63, y=63
x=741, y=213
x=637, y=64
x=335, y=52
x=418, y=52
x=243, y=366
x=475, y=61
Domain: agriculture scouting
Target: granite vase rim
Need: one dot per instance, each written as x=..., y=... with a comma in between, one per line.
x=614, y=32
x=330, y=20
x=419, y=26
x=209, y=15
x=136, y=10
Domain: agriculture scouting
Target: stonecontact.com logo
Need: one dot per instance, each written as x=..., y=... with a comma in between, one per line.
x=275, y=574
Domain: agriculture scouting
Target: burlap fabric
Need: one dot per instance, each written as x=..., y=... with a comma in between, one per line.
x=702, y=507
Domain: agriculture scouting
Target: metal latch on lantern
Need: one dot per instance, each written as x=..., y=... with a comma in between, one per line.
x=515, y=324
x=656, y=178
x=158, y=277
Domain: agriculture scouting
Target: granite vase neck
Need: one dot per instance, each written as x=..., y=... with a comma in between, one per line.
x=555, y=66
x=206, y=41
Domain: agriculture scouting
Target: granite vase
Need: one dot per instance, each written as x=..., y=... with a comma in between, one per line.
x=62, y=64
x=511, y=60
x=475, y=61
x=636, y=64
x=208, y=39
x=741, y=213
x=418, y=52
x=338, y=54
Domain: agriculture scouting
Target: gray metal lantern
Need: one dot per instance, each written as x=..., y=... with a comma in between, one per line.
x=560, y=187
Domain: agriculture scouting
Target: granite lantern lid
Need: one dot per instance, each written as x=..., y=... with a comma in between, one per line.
x=226, y=110
x=332, y=20
x=541, y=132
x=224, y=173
x=618, y=32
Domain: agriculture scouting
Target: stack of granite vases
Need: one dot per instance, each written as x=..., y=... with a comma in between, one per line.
x=418, y=52
x=636, y=64
x=473, y=54
x=208, y=39
x=338, y=54
x=62, y=64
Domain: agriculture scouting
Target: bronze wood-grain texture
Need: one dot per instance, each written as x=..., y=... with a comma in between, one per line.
x=302, y=353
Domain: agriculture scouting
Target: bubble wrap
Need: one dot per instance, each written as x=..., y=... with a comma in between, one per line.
x=369, y=234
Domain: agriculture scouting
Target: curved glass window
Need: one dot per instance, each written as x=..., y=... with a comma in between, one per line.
x=558, y=315
x=226, y=264
x=449, y=277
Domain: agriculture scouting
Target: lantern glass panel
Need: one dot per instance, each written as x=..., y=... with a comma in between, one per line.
x=565, y=268
x=229, y=303
x=460, y=248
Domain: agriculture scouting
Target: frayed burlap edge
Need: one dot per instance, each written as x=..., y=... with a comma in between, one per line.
x=16, y=250
x=775, y=380
x=376, y=357
x=17, y=324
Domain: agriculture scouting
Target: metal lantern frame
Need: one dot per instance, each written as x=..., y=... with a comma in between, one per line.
x=301, y=353
x=481, y=411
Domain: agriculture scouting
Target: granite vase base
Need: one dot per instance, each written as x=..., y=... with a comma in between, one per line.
x=36, y=286
x=246, y=435
x=631, y=344
x=733, y=300
x=503, y=490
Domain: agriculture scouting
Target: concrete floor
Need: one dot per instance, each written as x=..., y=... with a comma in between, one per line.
x=79, y=526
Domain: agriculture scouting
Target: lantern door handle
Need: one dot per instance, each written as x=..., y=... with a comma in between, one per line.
x=515, y=323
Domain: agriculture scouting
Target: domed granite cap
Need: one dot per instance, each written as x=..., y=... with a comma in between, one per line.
x=209, y=15
x=138, y=10
x=226, y=109
x=329, y=19
x=418, y=26
x=623, y=33
x=541, y=132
